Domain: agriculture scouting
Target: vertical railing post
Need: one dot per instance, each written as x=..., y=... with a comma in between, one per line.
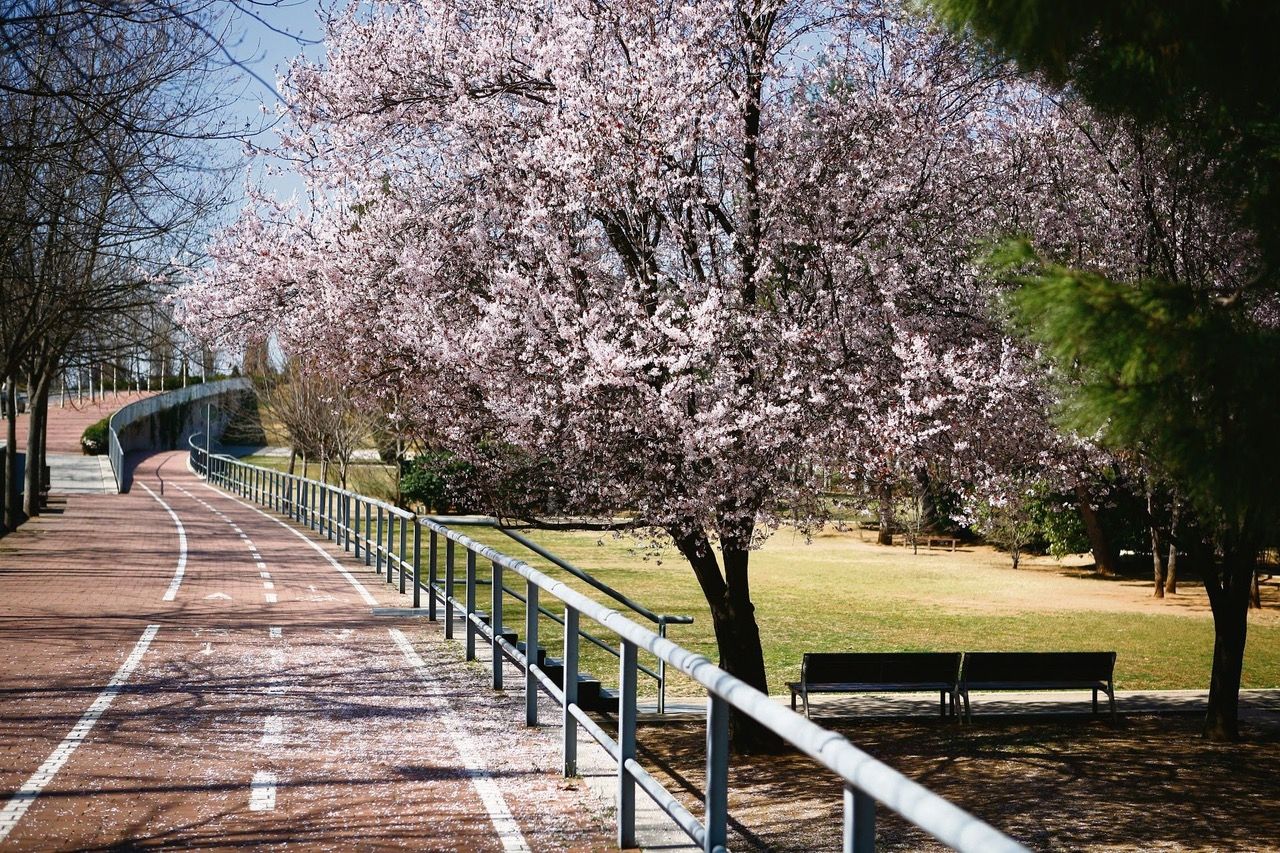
x=432, y=578
x=626, y=798
x=417, y=562
x=448, y=589
x=495, y=623
x=377, y=549
x=356, y=544
x=530, y=653
x=391, y=532
x=404, y=551
x=716, y=798
x=346, y=522
x=324, y=508
x=471, y=605
x=368, y=532
x=859, y=834
x=662, y=669
x=570, y=685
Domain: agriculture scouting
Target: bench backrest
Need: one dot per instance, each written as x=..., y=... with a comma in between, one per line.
x=1037, y=666
x=880, y=667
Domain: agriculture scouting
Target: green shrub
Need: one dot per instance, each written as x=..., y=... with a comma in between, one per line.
x=95, y=442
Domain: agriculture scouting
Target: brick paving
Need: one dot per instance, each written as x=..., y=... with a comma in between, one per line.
x=67, y=423
x=229, y=732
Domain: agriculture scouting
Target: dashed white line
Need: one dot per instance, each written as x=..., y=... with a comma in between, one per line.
x=268, y=585
x=272, y=731
x=172, y=592
x=274, y=633
x=30, y=790
x=262, y=792
x=271, y=597
x=351, y=579
x=504, y=823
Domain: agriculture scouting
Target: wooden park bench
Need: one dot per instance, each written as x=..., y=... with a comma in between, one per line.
x=948, y=542
x=878, y=672
x=1038, y=671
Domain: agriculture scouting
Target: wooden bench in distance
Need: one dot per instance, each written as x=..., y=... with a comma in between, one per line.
x=1038, y=671
x=878, y=672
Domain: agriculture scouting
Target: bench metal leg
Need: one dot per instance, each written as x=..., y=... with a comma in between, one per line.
x=1095, y=700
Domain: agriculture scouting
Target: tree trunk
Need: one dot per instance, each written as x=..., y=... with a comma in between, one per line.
x=12, y=508
x=1159, y=567
x=885, y=536
x=733, y=618
x=1228, y=591
x=37, y=409
x=1104, y=554
x=1171, y=574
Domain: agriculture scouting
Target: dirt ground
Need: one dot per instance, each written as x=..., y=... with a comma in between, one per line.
x=1150, y=783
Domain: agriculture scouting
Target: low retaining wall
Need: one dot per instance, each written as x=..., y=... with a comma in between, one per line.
x=166, y=421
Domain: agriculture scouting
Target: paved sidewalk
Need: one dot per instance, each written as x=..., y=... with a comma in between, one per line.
x=70, y=471
x=251, y=698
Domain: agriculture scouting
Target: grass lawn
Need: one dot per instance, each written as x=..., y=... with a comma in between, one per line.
x=838, y=593
x=372, y=479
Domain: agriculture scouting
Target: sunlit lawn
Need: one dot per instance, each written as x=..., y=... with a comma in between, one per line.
x=839, y=593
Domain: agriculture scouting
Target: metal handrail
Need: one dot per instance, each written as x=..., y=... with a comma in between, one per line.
x=622, y=598
x=867, y=781
x=309, y=513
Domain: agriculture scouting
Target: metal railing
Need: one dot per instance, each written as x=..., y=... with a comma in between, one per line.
x=126, y=416
x=661, y=620
x=370, y=528
x=866, y=780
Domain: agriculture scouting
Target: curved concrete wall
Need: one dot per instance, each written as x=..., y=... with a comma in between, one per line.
x=166, y=421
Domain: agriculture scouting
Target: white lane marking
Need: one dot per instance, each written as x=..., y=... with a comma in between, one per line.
x=272, y=731
x=266, y=576
x=208, y=649
x=274, y=633
x=218, y=595
x=262, y=792
x=494, y=803
x=351, y=579
x=26, y=795
x=236, y=529
x=268, y=585
x=172, y=592
x=261, y=566
x=271, y=597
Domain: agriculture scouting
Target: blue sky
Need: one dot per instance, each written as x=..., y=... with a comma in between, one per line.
x=263, y=49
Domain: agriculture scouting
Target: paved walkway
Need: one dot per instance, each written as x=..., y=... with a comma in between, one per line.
x=70, y=471
x=182, y=669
